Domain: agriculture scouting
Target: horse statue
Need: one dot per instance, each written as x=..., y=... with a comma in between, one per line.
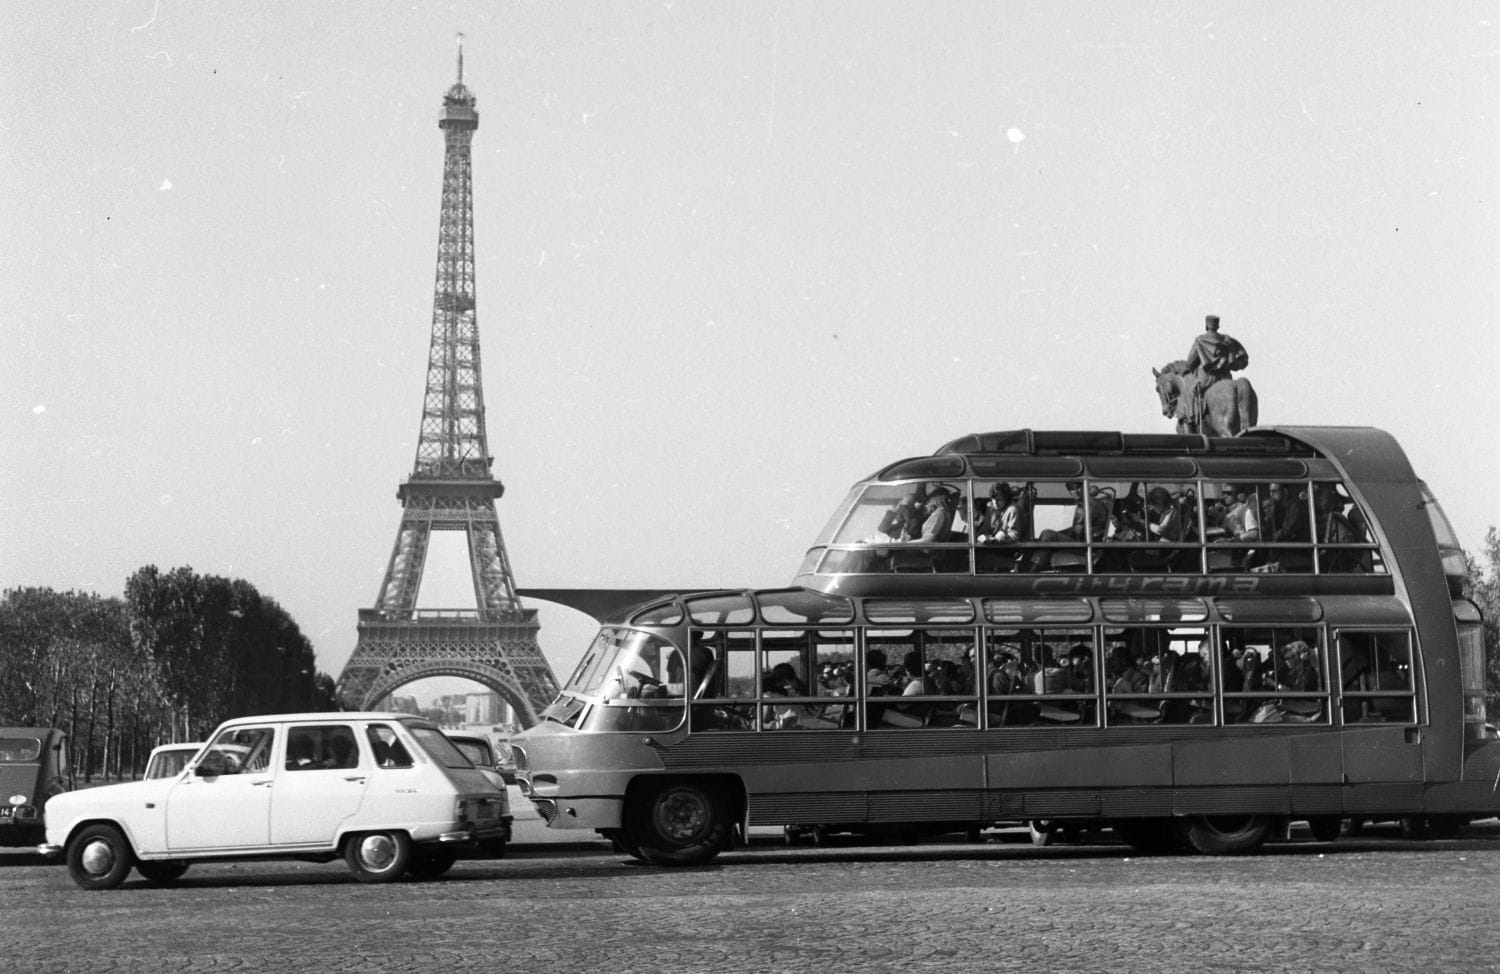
x=1227, y=407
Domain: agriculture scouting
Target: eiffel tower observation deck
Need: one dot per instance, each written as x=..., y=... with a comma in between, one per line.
x=451, y=488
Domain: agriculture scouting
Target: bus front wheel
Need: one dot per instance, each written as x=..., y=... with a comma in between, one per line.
x=681, y=823
x=1226, y=835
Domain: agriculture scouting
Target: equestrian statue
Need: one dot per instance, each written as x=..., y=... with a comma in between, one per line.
x=1200, y=392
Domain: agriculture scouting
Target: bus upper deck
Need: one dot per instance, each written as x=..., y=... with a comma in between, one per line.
x=1058, y=512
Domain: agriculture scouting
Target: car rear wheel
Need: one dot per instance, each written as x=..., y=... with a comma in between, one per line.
x=431, y=863
x=378, y=857
x=99, y=857
x=681, y=823
x=160, y=872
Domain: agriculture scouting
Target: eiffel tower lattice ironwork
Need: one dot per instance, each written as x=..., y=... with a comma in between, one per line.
x=451, y=489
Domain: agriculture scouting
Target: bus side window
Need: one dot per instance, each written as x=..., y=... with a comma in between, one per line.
x=1375, y=672
x=1274, y=675
x=725, y=680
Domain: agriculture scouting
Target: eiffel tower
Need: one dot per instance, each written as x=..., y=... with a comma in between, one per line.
x=451, y=488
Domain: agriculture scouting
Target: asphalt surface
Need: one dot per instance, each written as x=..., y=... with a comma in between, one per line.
x=1372, y=903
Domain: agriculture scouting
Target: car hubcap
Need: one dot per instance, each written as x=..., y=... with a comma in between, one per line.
x=377, y=852
x=98, y=858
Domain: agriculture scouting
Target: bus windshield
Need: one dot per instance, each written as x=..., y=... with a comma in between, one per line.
x=627, y=663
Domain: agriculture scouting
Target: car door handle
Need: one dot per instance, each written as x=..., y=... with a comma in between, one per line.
x=261, y=784
x=355, y=777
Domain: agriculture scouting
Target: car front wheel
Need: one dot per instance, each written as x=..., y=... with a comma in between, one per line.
x=99, y=857
x=378, y=857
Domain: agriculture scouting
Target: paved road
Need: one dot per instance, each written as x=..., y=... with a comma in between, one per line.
x=1371, y=904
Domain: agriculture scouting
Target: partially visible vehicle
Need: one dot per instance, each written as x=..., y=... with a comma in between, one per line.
x=386, y=792
x=479, y=753
x=33, y=769
x=169, y=760
x=505, y=761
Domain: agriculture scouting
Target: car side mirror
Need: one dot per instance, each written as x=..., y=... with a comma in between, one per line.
x=212, y=765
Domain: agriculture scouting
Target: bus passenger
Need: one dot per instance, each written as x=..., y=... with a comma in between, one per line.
x=939, y=520
x=1080, y=669
x=1001, y=523
x=1124, y=669
x=1054, y=677
x=1164, y=520
x=1283, y=518
x=911, y=666
x=1334, y=528
x=1241, y=521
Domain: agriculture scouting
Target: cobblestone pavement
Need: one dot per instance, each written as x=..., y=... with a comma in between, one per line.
x=1372, y=904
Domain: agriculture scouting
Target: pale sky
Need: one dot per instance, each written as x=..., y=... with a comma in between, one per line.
x=732, y=257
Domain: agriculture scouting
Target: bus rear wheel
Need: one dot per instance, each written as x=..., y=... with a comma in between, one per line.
x=681, y=823
x=1225, y=835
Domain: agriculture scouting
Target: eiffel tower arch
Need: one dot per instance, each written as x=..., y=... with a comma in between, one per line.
x=451, y=488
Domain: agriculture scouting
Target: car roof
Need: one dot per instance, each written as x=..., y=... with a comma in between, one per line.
x=324, y=716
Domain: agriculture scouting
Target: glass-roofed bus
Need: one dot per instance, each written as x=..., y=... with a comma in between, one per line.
x=1196, y=640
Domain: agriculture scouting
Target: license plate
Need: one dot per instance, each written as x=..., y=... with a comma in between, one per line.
x=7, y=812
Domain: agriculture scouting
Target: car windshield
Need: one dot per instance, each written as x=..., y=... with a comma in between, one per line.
x=438, y=747
x=169, y=763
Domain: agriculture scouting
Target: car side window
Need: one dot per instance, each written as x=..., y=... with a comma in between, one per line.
x=321, y=746
x=239, y=750
x=386, y=748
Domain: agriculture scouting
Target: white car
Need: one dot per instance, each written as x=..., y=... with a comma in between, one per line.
x=387, y=792
x=168, y=760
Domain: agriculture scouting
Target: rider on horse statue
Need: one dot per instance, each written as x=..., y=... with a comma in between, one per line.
x=1213, y=357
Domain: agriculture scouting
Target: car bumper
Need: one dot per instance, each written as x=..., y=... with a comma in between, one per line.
x=49, y=851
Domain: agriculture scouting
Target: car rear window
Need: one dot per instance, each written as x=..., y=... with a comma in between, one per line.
x=14, y=750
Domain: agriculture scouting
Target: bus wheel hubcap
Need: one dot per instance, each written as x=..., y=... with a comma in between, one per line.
x=682, y=816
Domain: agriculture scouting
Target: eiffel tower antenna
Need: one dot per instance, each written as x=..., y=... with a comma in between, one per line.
x=451, y=488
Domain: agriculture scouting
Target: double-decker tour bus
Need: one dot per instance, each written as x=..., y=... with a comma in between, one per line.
x=1196, y=640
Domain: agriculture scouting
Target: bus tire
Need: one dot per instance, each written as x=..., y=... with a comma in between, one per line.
x=378, y=857
x=1225, y=835
x=161, y=872
x=681, y=823
x=1325, y=828
x=1149, y=835
x=99, y=857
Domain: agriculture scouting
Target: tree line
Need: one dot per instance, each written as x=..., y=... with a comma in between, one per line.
x=176, y=656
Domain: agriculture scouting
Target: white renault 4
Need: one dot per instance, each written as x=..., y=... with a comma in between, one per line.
x=387, y=792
